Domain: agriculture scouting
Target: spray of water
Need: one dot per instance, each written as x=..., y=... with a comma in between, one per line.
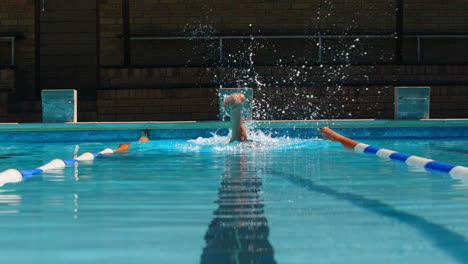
x=259, y=142
x=298, y=86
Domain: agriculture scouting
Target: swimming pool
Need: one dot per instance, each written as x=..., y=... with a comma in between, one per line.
x=291, y=200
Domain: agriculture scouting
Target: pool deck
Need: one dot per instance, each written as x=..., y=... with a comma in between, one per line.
x=151, y=125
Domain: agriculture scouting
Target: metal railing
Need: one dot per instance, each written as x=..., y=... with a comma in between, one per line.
x=10, y=39
x=221, y=38
x=419, y=37
x=319, y=37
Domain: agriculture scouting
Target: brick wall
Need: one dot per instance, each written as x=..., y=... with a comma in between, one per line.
x=177, y=68
x=273, y=103
x=202, y=18
x=435, y=17
x=271, y=76
x=318, y=91
x=110, y=25
x=157, y=94
x=449, y=101
x=7, y=86
x=30, y=111
x=351, y=102
x=7, y=79
x=312, y=93
x=157, y=104
x=17, y=17
x=261, y=17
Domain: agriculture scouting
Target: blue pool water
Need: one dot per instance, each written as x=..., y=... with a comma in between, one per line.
x=286, y=200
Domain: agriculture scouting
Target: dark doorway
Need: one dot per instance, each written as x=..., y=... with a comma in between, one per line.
x=68, y=53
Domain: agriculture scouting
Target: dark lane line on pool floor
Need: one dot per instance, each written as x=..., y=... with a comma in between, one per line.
x=457, y=150
x=449, y=241
x=239, y=230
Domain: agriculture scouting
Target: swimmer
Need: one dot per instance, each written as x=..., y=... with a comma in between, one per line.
x=233, y=105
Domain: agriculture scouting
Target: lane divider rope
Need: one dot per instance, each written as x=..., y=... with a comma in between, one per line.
x=429, y=164
x=15, y=175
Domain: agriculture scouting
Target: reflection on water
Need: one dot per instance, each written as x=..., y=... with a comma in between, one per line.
x=11, y=155
x=239, y=231
x=9, y=200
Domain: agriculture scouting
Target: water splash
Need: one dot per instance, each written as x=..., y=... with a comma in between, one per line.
x=300, y=86
x=259, y=142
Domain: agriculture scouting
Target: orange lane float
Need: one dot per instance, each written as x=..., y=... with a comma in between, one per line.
x=333, y=136
x=125, y=146
x=143, y=139
x=122, y=147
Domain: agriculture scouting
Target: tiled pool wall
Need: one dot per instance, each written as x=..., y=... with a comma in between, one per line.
x=115, y=135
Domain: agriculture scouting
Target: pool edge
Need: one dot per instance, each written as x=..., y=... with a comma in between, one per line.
x=351, y=123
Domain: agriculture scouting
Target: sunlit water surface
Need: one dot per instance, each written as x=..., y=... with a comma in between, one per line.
x=280, y=200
